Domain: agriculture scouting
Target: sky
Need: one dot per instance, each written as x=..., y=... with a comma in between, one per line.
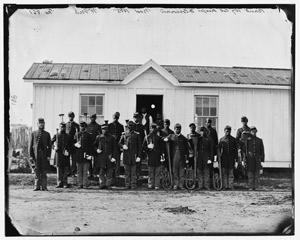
x=187, y=37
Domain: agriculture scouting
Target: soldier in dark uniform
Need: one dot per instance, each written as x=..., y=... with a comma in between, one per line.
x=84, y=154
x=106, y=151
x=154, y=148
x=116, y=129
x=166, y=131
x=255, y=156
x=139, y=128
x=62, y=143
x=192, y=137
x=40, y=153
x=180, y=151
x=204, y=159
x=71, y=128
x=94, y=129
x=212, y=135
x=131, y=144
x=229, y=154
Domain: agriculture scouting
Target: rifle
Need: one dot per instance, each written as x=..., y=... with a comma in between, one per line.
x=169, y=161
x=217, y=176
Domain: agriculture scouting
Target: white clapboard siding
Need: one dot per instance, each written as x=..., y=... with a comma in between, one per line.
x=268, y=109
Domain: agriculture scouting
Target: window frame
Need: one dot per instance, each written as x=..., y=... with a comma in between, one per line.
x=81, y=116
x=216, y=97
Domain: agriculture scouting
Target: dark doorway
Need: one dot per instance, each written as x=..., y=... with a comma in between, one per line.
x=153, y=104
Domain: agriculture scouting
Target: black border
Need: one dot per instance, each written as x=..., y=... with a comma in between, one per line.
x=8, y=11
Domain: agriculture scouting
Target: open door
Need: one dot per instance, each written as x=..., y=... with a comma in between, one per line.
x=153, y=104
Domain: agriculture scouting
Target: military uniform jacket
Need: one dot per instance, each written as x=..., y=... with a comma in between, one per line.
x=193, y=140
x=205, y=152
x=228, y=151
x=86, y=141
x=213, y=136
x=40, y=149
x=154, y=154
x=94, y=129
x=116, y=129
x=180, y=147
x=133, y=142
x=241, y=140
x=107, y=144
x=64, y=142
x=138, y=127
x=71, y=130
x=255, y=153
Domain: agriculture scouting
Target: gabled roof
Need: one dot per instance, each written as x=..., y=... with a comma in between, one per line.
x=174, y=73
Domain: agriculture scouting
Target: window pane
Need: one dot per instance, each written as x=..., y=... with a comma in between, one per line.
x=91, y=100
x=205, y=111
x=199, y=102
x=84, y=100
x=83, y=110
x=99, y=110
x=213, y=102
x=91, y=110
x=213, y=111
x=199, y=111
x=99, y=100
x=205, y=102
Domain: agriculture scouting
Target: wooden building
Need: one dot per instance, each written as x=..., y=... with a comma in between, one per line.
x=183, y=94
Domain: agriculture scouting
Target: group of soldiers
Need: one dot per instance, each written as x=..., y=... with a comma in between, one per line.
x=87, y=150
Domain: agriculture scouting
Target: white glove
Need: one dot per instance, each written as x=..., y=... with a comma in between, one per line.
x=162, y=159
x=77, y=145
x=235, y=164
x=209, y=161
x=186, y=161
x=138, y=159
x=166, y=139
x=215, y=158
x=243, y=163
x=55, y=148
x=239, y=151
x=262, y=164
x=112, y=160
x=99, y=151
x=66, y=153
x=191, y=155
x=150, y=146
x=125, y=147
x=89, y=158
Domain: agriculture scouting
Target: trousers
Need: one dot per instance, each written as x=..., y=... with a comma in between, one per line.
x=73, y=163
x=204, y=177
x=154, y=176
x=130, y=175
x=227, y=177
x=105, y=177
x=82, y=173
x=253, y=179
x=62, y=174
x=40, y=178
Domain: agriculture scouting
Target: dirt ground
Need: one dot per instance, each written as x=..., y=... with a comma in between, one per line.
x=94, y=211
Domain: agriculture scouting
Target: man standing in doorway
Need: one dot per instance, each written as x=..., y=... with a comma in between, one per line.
x=71, y=128
x=166, y=131
x=94, y=129
x=147, y=119
x=40, y=153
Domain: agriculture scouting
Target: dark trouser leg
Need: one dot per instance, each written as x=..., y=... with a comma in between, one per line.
x=85, y=174
x=151, y=176
x=157, y=176
x=200, y=178
x=117, y=170
x=127, y=175
x=44, y=179
x=230, y=178
x=73, y=164
x=224, y=178
x=206, y=175
x=138, y=169
x=109, y=176
x=176, y=173
x=90, y=168
x=133, y=175
x=66, y=172
x=79, y=174
x=59, y=171
x=181, y=177
x=102, y=179
x=37, y=178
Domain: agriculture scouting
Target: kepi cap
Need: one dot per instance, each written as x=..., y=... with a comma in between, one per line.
x=41, y=120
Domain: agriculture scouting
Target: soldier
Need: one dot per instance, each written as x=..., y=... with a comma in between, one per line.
x=154, y=149
x=166, y=131
x=228, y=153
x=212, y=135
x=204, y=159
x=94, y=129
x=255, y=157
x=106, y=151
x=115, y=129
x=147, y=119
x=131, y=144
x=71, y=128
x=192, y=137
x=40, y=153
x=180, y=153
x=62, y=143
x=84, y=154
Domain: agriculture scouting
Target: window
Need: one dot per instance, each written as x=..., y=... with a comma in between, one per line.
x=92, y=104
x=206, y=107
